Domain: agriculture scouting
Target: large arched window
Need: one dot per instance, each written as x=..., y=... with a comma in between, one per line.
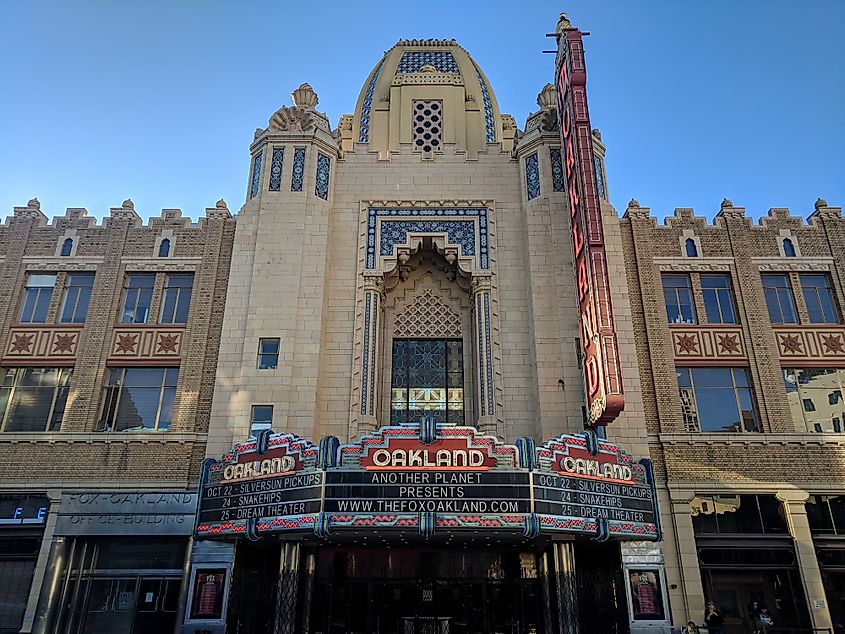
x=691, y=248
x=67, y=247
x=164, y=248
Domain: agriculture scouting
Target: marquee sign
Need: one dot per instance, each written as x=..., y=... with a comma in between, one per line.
x=602, y=370
x=428, y=479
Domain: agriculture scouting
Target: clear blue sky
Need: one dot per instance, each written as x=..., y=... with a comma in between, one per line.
x=158, y=100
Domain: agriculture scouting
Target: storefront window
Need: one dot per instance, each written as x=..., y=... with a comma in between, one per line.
x=738, y=514
x=427, y=380
x=826, y=514
x=646, y=595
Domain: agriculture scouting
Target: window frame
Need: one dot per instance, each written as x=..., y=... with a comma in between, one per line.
x=139, y=290
x=262, y=354
x=446, y=376
x=180, y=292
x=66, y=293
x=728, y=291
x=795, y=386
x=107, y=421
x=253, y=422
x=690, y=390
x=63, y=383
x=836, y=318
x=39, y=291
x=664, y=276
x=779, y=291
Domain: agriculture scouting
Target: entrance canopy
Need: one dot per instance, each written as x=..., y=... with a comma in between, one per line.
x=429, y=480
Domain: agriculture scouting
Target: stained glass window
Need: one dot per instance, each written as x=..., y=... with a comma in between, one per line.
x=427, y=380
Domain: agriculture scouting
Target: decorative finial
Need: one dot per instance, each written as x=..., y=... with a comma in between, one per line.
x=304, y=97
x=634, y=204
x=597, y=133
x=547, y=97
x=128, y=204
x=820, y=203
x=33, y=203
x=726, y=203
x=427, y=68
x=258, y=133
x=563, y=23
x=221, y=204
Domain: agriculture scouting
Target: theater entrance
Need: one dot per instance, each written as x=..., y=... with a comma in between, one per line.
x=431, y=591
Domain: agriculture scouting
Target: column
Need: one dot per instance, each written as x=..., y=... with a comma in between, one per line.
x=309, y=568
x=370, y=360
x=286, y=593
x=795, y=512
x=693, y=591
x=483, y=344
x=566, y=586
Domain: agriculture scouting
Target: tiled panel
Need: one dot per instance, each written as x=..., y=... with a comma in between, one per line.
x=700, y=343
x=146, y=343
x=809, y=344
x=42, y=343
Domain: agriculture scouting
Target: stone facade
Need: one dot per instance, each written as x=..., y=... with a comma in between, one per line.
x=787, y=459
x=75, y=454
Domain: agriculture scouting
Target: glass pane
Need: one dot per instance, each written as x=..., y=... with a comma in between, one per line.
x=684, y=379
x=740, y=377
x=715, y=281
x=269, y=346
x=262, y=414
x=726, y=303
x=787, y=306
x=165, y=417
x=712, y=377
x=771, y=513
x=717, y=410
x=40, y=280
x=168, y=306
x=111, y=605
x=30, y=409
x=183, y=306
x=773, y=305
x=42, y=304
x=837, y=510
x=818, y=515
x=162, y=553
x=646, y=595
x=143, y=377
x=711, y=305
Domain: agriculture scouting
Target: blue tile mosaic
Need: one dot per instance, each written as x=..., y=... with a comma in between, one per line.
x=412, y=61
x=480, y=330
x=489, y=125
x=599, y=177
x=365, y=375
x=366, y=107
x=256, y=176
x=458, y=223
x=321, y=189
x=298, y=169
x=558, y=183
x=532, y=175
x=276, y=168
x=491, y=404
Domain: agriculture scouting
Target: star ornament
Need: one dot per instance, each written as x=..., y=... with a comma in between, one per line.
x=790, y=344
x=64, y=343
x=168, y=343
x=22, y=343
x=729, y=344
x=686, y=344
x=833, y=343
x=126, y=343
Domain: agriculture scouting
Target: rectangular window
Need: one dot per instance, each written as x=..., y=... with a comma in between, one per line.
x=427, y=380
x=779, y=299
x=139, y=399
x=77, y=297
x=739, y=514
x=137, y=297
x=36, y=297
x=826, y=514
x=268, y=354
x=818, y=294
x=815, y=398
x=261, y=417
x=177, y=298
x=677, y=291
x=33, y=399
x=717, y=400
x=718, y=298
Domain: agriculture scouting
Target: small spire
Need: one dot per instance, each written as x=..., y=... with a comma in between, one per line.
x=221, y=204
x=304, y=97
x=563, y=23
x=128, y=204
x=33, y=203
x=726, y=203
x=634, y=204
x=820, y=203
x=597, y=133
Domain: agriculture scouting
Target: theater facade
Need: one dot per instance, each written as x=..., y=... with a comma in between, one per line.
x=418, y=361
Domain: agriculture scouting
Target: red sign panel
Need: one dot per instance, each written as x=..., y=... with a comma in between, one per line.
x=411, y=454
x=602, y=371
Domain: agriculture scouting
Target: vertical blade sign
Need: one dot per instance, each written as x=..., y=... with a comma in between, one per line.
x=602, y=372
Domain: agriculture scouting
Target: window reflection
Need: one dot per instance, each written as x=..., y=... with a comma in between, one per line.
x=815, y=398
x=717, y=400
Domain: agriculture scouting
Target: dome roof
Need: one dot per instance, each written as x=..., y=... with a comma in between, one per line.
x=438, y=70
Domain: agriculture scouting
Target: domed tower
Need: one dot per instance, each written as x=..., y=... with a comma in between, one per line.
x=427, y=94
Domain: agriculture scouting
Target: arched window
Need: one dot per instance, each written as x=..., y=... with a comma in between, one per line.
x=164, y=248
x=788, y=248
x=67, y=247
x=692, y=250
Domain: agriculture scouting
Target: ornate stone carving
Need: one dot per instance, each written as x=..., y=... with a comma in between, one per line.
x=292, y=119
x=547, y=97
x=304, y=97
x=427, y=316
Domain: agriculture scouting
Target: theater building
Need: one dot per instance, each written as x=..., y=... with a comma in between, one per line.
x=108, y=346
x=396, y=441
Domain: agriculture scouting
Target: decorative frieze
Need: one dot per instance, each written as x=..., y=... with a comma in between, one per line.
x=146, y=343
x=42, y=344
x=707, y=343
x=810, y=344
